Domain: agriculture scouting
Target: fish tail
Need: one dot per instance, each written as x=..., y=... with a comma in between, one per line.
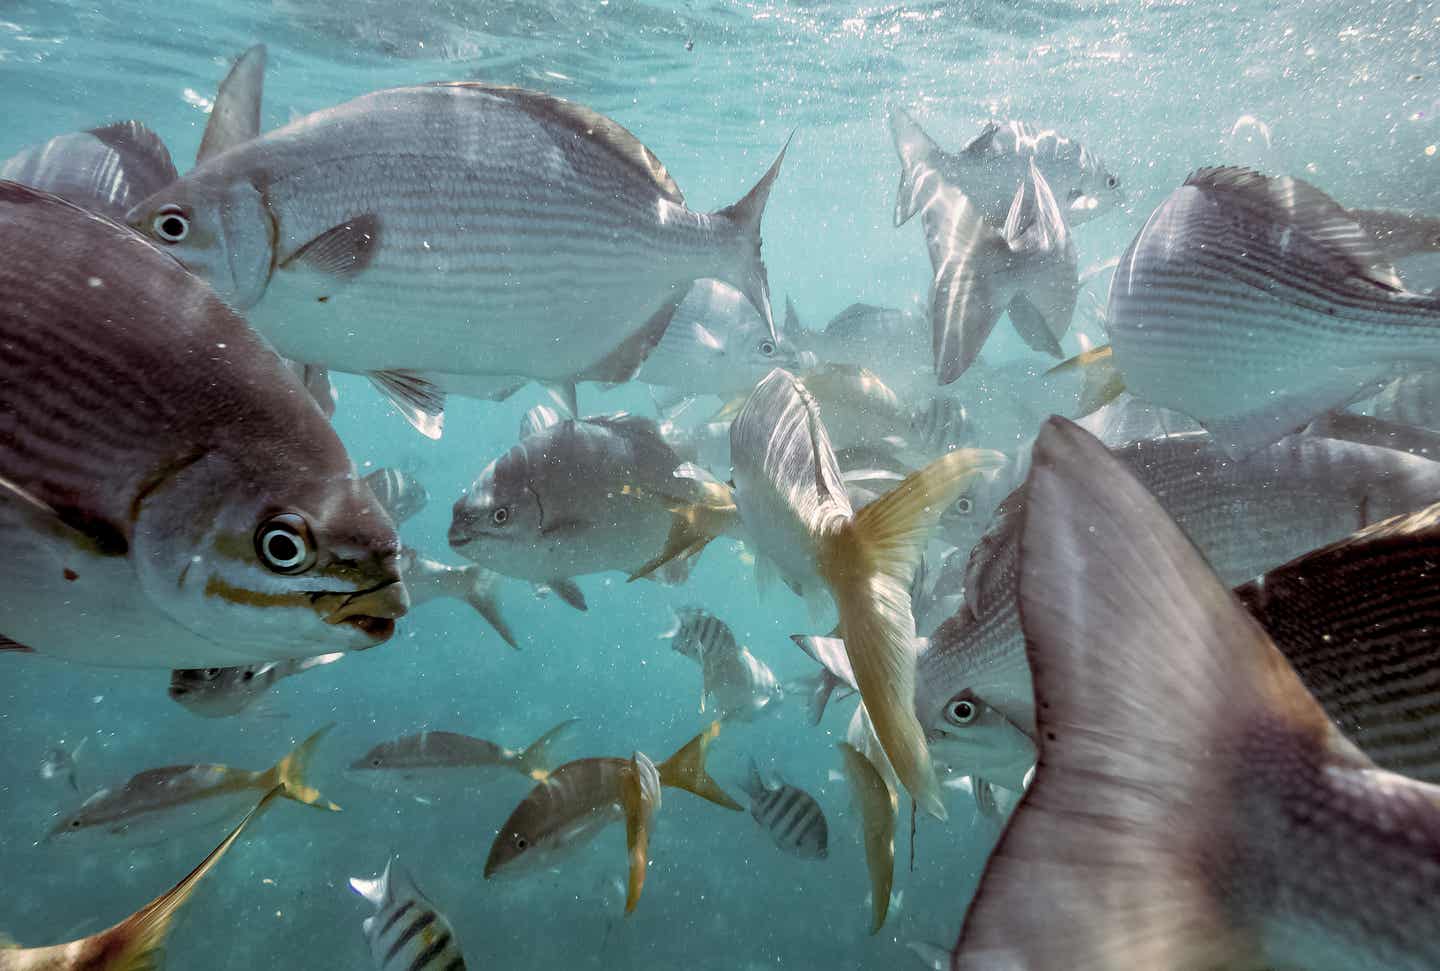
x=964, y=252
x=879, y=810
x=138, y=942
x=1101, y=379
x=479, y=591
x=537, y=760
x=750, y=277
x=1157, y=701
x=693, y=526
x=686, y=770
x=917, y=153
x=639, y=807
x=869, y=565
x=289, y=774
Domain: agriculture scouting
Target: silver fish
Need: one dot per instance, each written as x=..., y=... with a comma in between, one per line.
x=582, y=497
x=402, y=494
x=406, y=932
x=328, y=234
x=1253, y=304
x=443, y=753
x=474, y=585
x=893, y=343
x=200, y=511
x=735, y=683
x=106, y=170
x=62, y=762
x=717, y=343
x=227, y=692
x=1027, y=268
x=1192, y=805
x=800, y=523
x=791, y=817
x=993, y=163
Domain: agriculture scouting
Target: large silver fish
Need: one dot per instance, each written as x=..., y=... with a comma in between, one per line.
x=735, y=684
x=1254, y=304
x=1193, y=806
x=800, y=523
x=170, y=496
x=988, y=169
x=406, y=932
x=586, y=496
x=338, y=242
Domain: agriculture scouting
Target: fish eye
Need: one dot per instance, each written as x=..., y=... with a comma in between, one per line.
x=74, y=824
x=1111, y=182
x=767, y=348
x=964, y=506
x=961, y=711
x=171, y=224
x=248, y=676
x=500, y=516
x=375, y=762
x=284, y=544
x=521, y=843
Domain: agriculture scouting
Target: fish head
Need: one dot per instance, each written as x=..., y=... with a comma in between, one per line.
x=973, y=737
x=218, y=692
x=500, y=514
x=517, y=847
x=271, y=559
x=1095, y=193
x=964, y=521
x=220, y=228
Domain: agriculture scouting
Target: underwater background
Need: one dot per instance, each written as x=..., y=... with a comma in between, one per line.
x=1344, y=94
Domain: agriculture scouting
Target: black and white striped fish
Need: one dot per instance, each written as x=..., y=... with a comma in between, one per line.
x=406, y=932
x=791, y=816
x=402, y=494
x=735, y=683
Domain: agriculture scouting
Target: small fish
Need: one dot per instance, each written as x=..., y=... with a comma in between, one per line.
x=428, y=579
x=792, y=818
x=879, y=809
x=63, y=763
x=735, y=683
x=579, y=799
x=1253, y=304
x=227, y=692
x=717, y=343
x=402, y=494
x=158, y=794
x=587, y=496
x=1193, y=806
x=406, y=932
x=326, y=235
x=443, y=753
x=136, y=943
x=988, y=169
x=797, y=516
x=198, y=510
x=1027, y=267
x=893, y=343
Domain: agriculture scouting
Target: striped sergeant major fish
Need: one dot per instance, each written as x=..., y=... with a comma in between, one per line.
x=406, y=932
x=735, y=683
x=791, y=816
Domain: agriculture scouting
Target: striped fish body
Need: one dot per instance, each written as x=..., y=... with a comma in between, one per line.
x=791, y=817
x=1254, y=304
x=1411, y=399
x=406, y=932
x=106, y=170
x=402, y=494
x=717, y=343
x=138, y=470
x=522, y=202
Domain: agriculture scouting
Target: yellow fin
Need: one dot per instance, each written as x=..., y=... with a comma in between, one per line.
x=693, y=527
x=289, y=774
x=879, y=808
x=729, y=409
x=536, y=761
x=686, y=770
x=640, y=796
x=138, y=942
x=1102, y=380
x=869, y=565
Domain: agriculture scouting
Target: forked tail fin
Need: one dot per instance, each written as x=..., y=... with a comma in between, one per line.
x=289, y=773
x=686, y=770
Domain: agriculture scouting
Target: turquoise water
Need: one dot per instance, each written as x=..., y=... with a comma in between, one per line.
x=1348, y=93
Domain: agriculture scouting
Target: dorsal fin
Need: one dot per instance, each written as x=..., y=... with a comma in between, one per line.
x=235, y=116
x=980, y=144
x=588, y=123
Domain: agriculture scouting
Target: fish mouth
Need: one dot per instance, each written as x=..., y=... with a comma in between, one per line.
x=373, y=611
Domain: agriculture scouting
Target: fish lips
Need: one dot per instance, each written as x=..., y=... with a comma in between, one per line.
x=372, y=611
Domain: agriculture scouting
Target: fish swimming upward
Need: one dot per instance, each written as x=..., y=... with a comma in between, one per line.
x=530, y=213
x=799, y=522
x=170, y=495
x=406, y=932
x=136, y=943
x=1192, y=807
x=1253, y=304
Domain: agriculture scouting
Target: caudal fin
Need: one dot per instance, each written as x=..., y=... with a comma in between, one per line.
x=965, y=253
x=289, y=774
x=918, y=176
x=869, y=565
x=138, y=942
x=480, y=592
x=879, y=810
x=749, y=276
x=537, y=760
x=686, y=770
x=1148, y=677
x=1101, y=380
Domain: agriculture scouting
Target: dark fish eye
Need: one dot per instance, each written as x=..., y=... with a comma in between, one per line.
x=248, y=676
x=521, y=843
x=1111, y=182
x=171, y=224
x=962, y=711
x=284, y=544
x=767, y=348
x=964, y=506
x=500, y=516
x=375, y=762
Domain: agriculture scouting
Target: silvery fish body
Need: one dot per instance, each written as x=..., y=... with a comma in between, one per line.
x=439, y=754
x=1254, y=304
x=406, y=932
x=336, y=241
x=892, y=342
x=106, y=170
x=402, y=494
x=428, y=579
x=988, y=169
x=735, y=683
x=170, y=496
x=62, y=762
x=1411, y=399
x=790, y=816
x=562, y=814
x=227, y=692
x=717, y=343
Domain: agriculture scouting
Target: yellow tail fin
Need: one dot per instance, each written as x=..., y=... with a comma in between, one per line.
x=640, y=795
x=138, y=942
x=536, y=760
x=289, y=774
x=1102, y=380
x=694, y=526
x=686, y=770
x=869, y=565
x=879, y=808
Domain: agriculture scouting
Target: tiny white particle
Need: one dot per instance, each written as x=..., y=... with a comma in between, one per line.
x=95, y=281
x=222, y=346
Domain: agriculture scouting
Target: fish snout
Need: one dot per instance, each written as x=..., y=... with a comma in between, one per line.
x=373, y=611
x=465, y=524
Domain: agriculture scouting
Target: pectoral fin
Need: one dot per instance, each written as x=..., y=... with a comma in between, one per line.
x=343, y=251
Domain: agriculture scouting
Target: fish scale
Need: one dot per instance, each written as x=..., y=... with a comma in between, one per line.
x=406, y=932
